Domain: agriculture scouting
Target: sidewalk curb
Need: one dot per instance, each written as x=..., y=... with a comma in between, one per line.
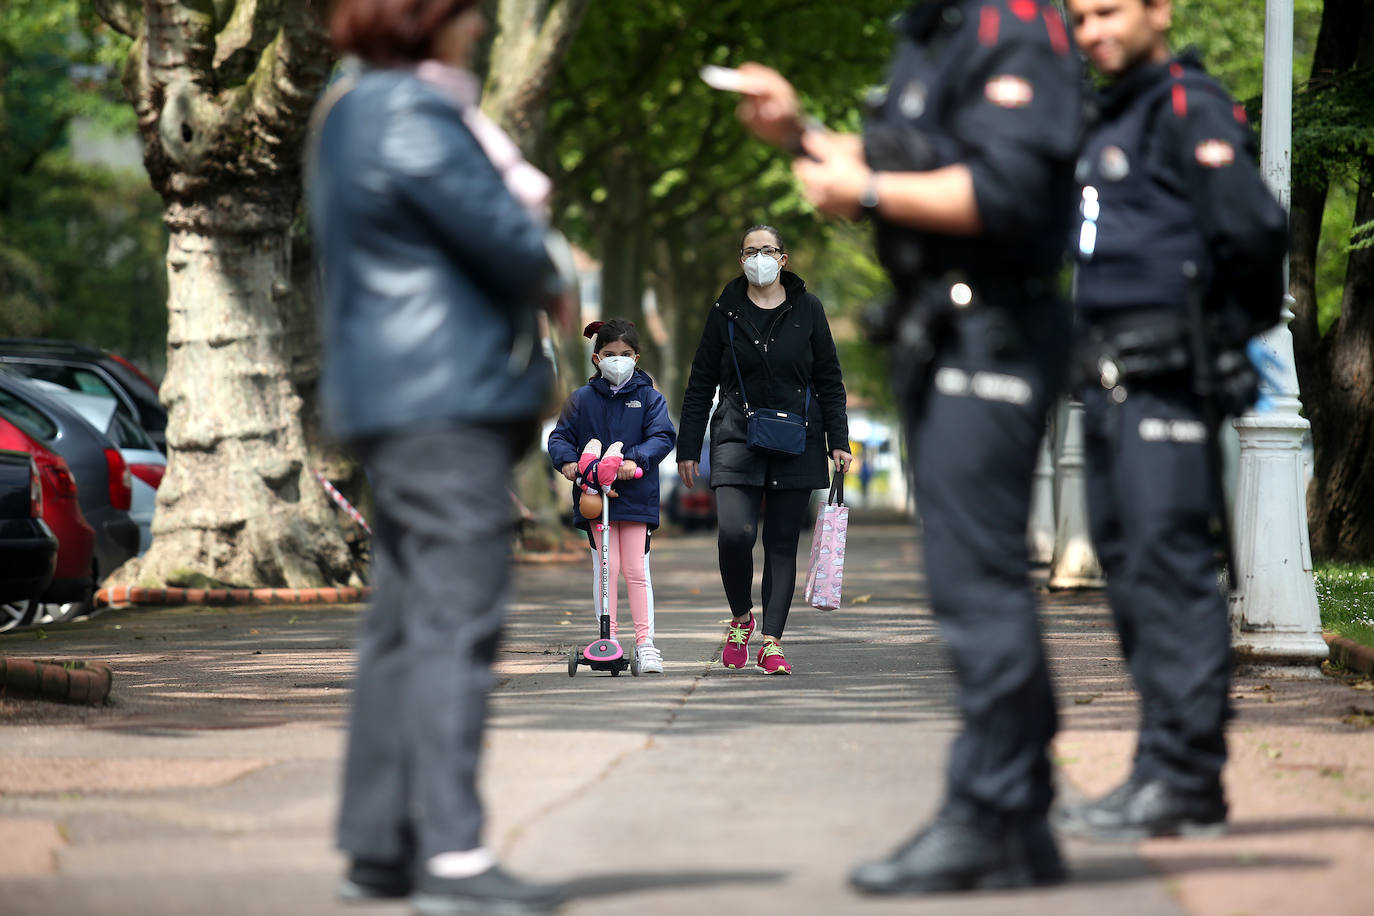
x=52, y=679
x=1350, y=654
x=126, y=596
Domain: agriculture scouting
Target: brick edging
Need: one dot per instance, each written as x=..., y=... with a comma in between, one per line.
x=124, y=596
x=1350, y=654
x=52, y=679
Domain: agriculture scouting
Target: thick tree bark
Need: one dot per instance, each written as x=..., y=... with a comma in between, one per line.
x=532, y=38
x=223, y=112
x=530, y=42
x=1341, y=501
x=1336, y=370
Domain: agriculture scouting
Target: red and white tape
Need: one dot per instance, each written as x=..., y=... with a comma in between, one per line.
x=344, y=504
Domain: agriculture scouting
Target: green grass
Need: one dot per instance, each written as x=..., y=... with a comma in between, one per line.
x=1345, y=596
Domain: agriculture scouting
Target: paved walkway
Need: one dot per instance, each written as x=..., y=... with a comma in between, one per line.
x=210, y=786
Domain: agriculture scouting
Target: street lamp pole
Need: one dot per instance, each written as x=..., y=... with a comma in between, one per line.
x=1274, y=618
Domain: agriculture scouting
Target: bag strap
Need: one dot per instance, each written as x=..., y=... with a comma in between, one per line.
x=836, y=497
x=806, y=410
x=738, y=373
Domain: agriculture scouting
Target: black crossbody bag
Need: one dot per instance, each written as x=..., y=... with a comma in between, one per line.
x=771, y=432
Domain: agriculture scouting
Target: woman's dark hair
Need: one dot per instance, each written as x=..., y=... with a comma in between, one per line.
x=608, y=332
x=390, y=31
x=766, y=228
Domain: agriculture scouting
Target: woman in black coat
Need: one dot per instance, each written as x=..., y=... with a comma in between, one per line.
x=787, y=361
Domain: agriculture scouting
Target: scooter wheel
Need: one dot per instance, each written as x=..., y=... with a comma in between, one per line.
x=572, y=663
x=634, y=661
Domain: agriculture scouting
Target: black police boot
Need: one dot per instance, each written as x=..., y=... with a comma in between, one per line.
x=1142, y=808
x=374, y=881
x=961, y=853
x=492, y=891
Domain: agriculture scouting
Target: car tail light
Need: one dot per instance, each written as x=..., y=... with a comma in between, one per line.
x=63, y=483
x=151, y=474
x=121, y=484
x=35, y=490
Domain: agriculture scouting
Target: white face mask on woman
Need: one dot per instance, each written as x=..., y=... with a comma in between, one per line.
x=617, y=369
x=761, y=270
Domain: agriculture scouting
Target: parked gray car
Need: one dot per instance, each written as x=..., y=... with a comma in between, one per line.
x=146, y=463
x=104, y=487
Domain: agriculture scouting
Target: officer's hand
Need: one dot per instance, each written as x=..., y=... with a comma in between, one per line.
x=842, y=459
x=835, y=175
x=687, y=470
x=768, y=106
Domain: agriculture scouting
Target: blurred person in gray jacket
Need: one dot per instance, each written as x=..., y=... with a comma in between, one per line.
x=432, y=232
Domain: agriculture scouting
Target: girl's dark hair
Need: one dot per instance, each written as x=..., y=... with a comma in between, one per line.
x=608, y=332
x=766, y=228
x=389, y=32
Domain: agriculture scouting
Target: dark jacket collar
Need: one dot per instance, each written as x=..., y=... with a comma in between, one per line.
x=922, y=18
x=736, y=292
x=1144, y=77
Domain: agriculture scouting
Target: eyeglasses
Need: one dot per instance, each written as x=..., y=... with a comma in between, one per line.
x=768, y=250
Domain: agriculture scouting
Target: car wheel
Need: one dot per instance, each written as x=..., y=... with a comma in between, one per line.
x=16, y=614
x=70, y=610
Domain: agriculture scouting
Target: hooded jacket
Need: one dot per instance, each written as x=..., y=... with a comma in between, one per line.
x=636, y=415
x=779, y=362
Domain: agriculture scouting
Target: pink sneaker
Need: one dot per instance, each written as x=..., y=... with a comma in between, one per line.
x=736, y=651
x=771, y=659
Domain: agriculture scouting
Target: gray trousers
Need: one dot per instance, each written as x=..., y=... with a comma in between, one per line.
x=440, y=545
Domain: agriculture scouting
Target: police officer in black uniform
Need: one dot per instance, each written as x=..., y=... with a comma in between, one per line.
x=966, y=166
x=1180, y=255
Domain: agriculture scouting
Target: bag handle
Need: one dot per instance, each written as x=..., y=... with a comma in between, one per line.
x=836, y=497
x=806, y=411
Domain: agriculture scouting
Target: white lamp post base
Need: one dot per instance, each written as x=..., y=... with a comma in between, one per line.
x=1275, y=625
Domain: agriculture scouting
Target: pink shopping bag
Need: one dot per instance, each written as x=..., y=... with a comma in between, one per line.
x=826, y=573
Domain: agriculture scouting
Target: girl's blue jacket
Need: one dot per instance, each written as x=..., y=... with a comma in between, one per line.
x=636, y=415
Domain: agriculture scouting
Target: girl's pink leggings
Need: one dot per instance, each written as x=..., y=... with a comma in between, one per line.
x=628, y=543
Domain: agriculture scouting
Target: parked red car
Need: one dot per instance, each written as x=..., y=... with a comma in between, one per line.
x=74, y=581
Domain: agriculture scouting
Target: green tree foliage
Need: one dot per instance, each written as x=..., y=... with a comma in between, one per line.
x=80, y=244
x=655, y=175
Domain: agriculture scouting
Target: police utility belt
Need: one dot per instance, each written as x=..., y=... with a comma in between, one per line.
x=1152, y=345
x=776, y=433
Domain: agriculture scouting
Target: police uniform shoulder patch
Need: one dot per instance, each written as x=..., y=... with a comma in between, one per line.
x=1215, y=153
x=1009, y=91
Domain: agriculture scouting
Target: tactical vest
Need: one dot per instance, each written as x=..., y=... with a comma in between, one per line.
x=1136, y=232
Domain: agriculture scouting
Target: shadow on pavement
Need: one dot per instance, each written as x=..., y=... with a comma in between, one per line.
x=612, y=884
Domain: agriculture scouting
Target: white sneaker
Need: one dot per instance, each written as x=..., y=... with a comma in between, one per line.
x=650, y=659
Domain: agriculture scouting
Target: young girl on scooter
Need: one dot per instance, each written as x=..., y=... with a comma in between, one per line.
x=619, y=406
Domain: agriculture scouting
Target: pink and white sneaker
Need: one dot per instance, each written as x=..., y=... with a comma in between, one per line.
x=736, y=651
x=771, y=659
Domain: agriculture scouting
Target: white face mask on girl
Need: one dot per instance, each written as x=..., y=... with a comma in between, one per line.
x=617, y=369
x=761, y=270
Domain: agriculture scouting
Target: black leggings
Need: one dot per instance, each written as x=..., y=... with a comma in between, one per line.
x=784, y=514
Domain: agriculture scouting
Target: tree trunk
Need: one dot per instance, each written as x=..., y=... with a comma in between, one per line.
x=1341, y=501
x=239, y=502
x=222, y=107
x=531, y=40
x=1336, y=371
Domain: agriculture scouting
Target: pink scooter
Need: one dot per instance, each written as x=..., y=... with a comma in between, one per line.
x=596, y=475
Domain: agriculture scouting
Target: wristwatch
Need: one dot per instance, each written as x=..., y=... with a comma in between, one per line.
x=868, y=199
